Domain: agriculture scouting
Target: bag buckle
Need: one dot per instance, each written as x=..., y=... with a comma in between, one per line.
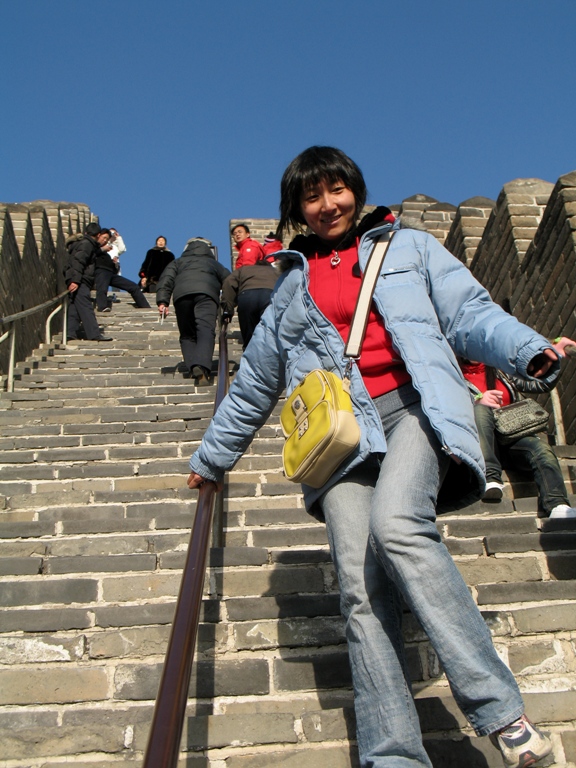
x=300, y=411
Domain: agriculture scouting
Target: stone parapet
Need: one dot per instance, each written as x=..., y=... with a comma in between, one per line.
x=32, y=260
x=507, y=235
x=468, y=227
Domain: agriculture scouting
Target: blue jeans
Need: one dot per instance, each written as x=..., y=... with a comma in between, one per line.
x=385, y=546
x=529, y=454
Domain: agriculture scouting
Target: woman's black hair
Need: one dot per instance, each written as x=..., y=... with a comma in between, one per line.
x=314, y=165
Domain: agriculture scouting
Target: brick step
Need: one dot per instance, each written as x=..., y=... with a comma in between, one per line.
x=294, y=731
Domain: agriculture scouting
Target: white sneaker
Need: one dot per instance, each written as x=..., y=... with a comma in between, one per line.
x=494, y=491
x=563, y=510
x=521, y=743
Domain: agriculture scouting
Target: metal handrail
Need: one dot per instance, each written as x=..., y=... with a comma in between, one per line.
x=10, y=320
x=169, y=711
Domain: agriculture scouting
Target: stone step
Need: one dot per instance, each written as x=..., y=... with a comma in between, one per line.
x=305, y=731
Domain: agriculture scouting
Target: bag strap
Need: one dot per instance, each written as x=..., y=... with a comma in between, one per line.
x=361, y=312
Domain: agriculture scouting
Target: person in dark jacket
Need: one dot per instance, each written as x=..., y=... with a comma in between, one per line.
x=156, y=261
x=79, y=276
x=493, y=389
x=106, y=274
x=194, y=281
x=250, y=288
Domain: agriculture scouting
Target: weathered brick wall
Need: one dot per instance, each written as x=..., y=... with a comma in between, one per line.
x=545, y=293
x=508, y=233
x=32, y=259
x=468, y=227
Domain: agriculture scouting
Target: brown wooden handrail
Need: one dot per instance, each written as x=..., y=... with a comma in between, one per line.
x=169, y=711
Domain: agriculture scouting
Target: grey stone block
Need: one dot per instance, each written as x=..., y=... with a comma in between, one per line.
x=98, y=564
x=283, y=606
x=20, y=566
x=290, y=537
x=312, y=671
x=242, y=730
x=104, y=526
x=560, y=618
x=58, y=685
x=341, y=756
x=135, y=615
x=40, y=648
x=274, y=581
x=40, y=592
x=44, y=620
x=546, y=542
x=289, y=633
x=525, y=592
x=504, y=525
x=209, y=678
x=521, y=656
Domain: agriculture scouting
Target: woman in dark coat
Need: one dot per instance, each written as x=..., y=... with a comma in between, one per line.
x=194, y=281
x=156, y=261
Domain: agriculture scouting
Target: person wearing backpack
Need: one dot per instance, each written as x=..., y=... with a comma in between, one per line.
x=194, y=281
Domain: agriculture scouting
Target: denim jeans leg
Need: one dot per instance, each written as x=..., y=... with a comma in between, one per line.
x=484, y=417
x=387, y=725
x=530, y=454
x=407, y=543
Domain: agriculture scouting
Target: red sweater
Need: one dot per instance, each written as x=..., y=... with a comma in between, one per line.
x=335, y=290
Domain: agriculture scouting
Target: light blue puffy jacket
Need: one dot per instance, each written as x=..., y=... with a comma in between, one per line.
x=432, y=307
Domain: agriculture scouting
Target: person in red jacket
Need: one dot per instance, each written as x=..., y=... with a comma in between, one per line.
x=272, y=244
x=493, y=389
x=249, y=251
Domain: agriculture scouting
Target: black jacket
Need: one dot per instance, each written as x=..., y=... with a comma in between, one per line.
x=156, y=261
x=196, y=271
x=104, y=261
x=81, y=261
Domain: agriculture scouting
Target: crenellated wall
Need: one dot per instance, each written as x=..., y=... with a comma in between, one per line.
x=32, y=259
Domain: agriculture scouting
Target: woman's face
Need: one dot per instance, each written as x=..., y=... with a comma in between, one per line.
x=329, y=209
x=161, y=242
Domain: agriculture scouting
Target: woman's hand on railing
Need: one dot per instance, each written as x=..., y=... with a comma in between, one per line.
x=72, y=287
x=196, y=481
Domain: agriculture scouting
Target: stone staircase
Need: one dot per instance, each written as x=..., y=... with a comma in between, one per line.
x=94, y=524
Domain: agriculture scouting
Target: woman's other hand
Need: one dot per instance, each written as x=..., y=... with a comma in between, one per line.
x=491, y=398
x=195, y=481
x=163, y=309
x=541, y=364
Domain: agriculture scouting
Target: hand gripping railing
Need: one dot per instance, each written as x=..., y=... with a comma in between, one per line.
x=11, y=320
x=170, y=709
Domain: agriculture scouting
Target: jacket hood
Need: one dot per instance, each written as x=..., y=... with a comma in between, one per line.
x=198, y=247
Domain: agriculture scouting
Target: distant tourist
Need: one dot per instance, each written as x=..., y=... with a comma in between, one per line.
x=250, y=288
x=194, y=281
x=249, y=251
x=156, y=261
x=116, y=247
x=106, y=275
x=79, y=276
x=272, y=244
x=492, y=389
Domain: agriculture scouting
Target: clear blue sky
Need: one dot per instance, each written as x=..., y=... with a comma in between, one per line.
x=173, y=117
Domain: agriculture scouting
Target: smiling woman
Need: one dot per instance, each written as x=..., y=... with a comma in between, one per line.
x=415, y=416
